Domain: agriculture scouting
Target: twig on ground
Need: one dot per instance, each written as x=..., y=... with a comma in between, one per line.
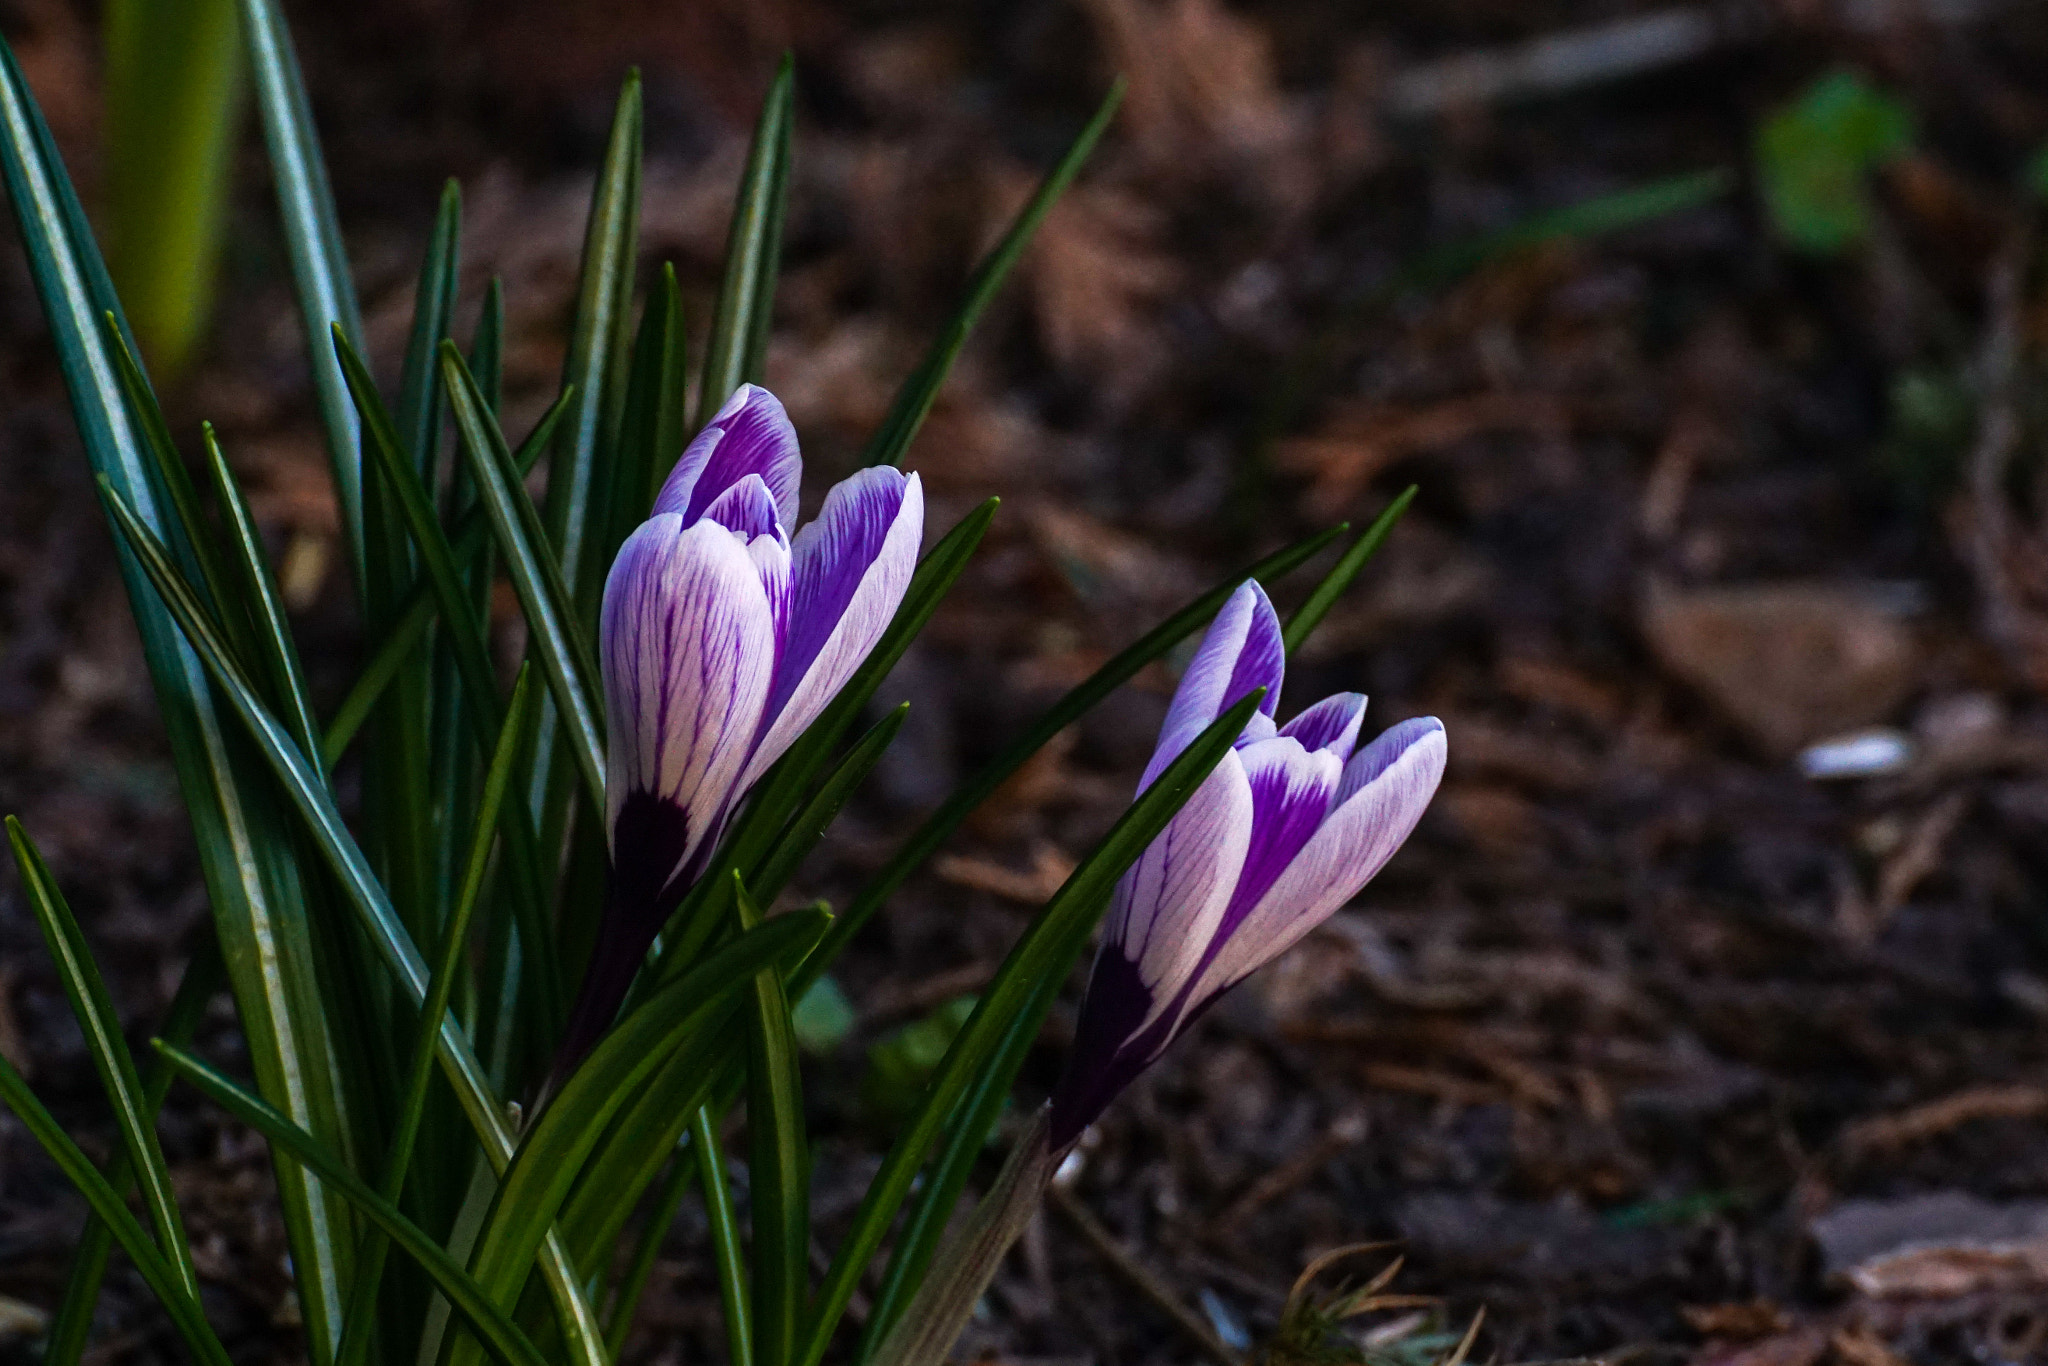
x=1574, y=59
x=1141, y=1277
x=1885, y=1132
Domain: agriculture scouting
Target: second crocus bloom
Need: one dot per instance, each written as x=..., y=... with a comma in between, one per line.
x=1286, y=829
x=722, y=636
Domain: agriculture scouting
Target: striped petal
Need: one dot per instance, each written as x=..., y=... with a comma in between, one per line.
x=1242, y=650
x=849, y=570
x=751, y=434
x=1292, y=791
x=689, y=652
x=1331, y=724
x=1382, y=795
x=1166, y=911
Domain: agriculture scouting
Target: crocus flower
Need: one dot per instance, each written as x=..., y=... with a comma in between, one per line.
x=722, y=637
x=1286, y=829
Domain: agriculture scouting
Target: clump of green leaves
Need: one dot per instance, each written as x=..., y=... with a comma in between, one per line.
x=1814, y=157
x=399, y=963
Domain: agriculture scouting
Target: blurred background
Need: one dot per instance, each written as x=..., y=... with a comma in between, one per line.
x=1703, y=1019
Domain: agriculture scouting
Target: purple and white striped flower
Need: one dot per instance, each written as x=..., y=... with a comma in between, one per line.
x=722, y=637
x=1286, y=829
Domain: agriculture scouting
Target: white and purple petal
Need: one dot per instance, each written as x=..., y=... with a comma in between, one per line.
x=1331, y=724
x=688, y=656
x=849, y=570
x=1292, y=791
x=751, y=434
x=1166, y=909
x=1243, y=649
x=1383, y=793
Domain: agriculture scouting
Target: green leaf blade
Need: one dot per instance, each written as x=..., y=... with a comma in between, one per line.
x=94, y=1009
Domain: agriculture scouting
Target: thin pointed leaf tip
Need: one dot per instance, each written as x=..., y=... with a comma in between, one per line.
x=1292, y=823
x=722, y=636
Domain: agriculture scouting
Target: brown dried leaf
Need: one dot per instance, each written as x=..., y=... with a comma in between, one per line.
x=1787, y=662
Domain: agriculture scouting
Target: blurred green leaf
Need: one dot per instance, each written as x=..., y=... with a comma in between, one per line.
x=1814, y=154
x=902, y=1061
x=2034, y=176
x=173, y=83
x=433, y=318
x=823, y=1018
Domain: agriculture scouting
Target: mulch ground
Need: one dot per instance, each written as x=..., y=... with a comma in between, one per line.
x=1649, y=1044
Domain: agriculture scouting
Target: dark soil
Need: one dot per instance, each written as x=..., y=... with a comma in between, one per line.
x=1640, y=1002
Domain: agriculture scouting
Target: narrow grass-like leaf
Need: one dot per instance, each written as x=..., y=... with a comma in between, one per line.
x=779, y=1173
x=660, y=1218
x=940, y=825
x=270, y=627
x=753, y=252
x=809, y=825
x=497, y=1332
x=433, y=316
x=906, y=414
x=362, y=1301
x=733, y=1296
x=463, y=632
x=577, y=518
x=966, y=1134
x=478, y=691
x=487, y=348
x=97, y=1020
x=536, y=576
x=651, y=431
x=1326, y=593
x=775, y=799
x=471, y=536
x=176, y=483
x=312, y=237
x=323, y=823
x=257, y=900
x=683, y=1017
x=71, y=1324
x=156, y=1272
x=1046, y=952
